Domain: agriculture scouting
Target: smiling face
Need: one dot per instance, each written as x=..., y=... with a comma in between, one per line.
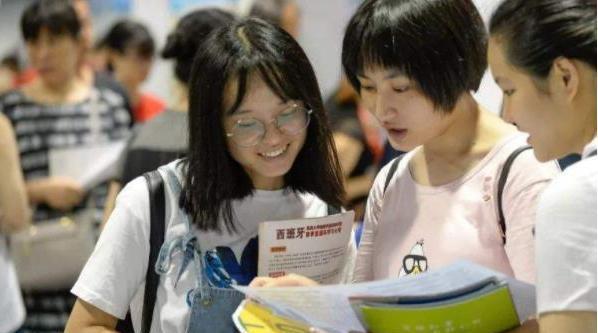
x=410, y=118
x=272, y=157
x=553, y=131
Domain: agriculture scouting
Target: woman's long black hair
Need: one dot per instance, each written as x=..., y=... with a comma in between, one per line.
x=213, y=178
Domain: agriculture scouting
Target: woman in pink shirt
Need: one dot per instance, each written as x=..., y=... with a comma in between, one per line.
x=415, y=65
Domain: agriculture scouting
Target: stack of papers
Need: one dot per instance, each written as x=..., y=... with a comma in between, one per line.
x=462, y=297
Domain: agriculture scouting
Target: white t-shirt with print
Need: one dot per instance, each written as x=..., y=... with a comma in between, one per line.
x=411, y=228
x=566, y=239
x=114, y=276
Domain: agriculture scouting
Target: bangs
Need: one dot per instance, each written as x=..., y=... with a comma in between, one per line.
x=440, y=45
x=380, y=50
x=272, y=74
x=58, y=19
x=382, y=45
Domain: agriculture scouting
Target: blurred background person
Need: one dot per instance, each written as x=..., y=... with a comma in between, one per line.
x=14, y=216
x=164, y=138
x=129, y=49
x=57, y=111
x=88, y=61
x=91, y=56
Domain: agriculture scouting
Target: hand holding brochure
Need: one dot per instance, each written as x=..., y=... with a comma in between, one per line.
x=312, y=247
x=462, y=297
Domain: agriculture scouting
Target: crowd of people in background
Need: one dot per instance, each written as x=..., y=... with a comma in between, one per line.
x=246, y=137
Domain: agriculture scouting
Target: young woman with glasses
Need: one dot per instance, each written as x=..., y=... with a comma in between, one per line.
x=259, y=149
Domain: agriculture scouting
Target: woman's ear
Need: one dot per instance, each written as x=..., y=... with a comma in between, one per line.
x=564, y=78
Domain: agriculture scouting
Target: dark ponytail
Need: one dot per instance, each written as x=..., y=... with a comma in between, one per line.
x=192, y=29
x=536, y=32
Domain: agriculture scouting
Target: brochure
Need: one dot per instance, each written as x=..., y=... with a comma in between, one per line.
x=462, y=297
x=474, y=311
x=89, y=165
x=312, y=247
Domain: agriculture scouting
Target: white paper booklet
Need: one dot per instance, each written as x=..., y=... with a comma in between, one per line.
x=89, y=165
x=328, y=307
x=312, y=247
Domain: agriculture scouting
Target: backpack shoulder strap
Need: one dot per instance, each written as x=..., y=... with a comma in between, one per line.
x=502, y=181
x=392, y=170
x=157, y=229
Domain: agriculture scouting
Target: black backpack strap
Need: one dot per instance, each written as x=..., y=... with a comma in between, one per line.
x=125, y=325
x=392, y=170
x=502, y=181
x=157, y=229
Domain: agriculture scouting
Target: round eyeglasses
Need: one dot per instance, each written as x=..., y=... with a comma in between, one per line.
x=248, y=132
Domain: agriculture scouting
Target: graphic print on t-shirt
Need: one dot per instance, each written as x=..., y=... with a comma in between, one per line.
x=415, y=262
x=223, y=270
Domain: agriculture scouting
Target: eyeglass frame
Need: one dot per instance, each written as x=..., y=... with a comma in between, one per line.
x=308, y=111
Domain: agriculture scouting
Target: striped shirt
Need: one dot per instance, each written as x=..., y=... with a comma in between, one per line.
x=101, y=118
x=41, y=128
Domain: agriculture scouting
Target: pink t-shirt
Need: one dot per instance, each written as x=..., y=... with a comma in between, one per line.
x=412, y=228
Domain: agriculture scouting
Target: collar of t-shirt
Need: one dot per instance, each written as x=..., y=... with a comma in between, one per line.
x=590, y=148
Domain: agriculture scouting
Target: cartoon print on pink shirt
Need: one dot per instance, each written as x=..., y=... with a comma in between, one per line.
x=415, y=262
